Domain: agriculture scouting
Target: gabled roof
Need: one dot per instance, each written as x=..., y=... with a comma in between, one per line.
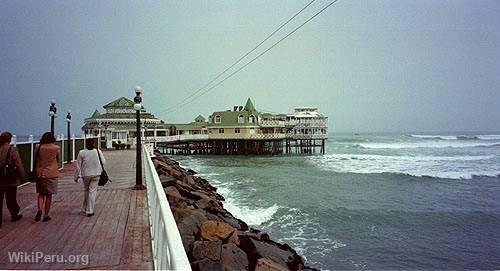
x=121, y=103
x=96, y=114
x=249, y=106
x=199, y=118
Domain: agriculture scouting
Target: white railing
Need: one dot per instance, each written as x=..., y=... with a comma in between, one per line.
x=247, y=136
x=272, y=123
x=63, y=151
x=166, y=242
x=302, y=136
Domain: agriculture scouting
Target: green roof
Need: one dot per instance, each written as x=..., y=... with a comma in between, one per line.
x=122, y=116
x=249, y=106
x=120, y=103
x=96, y=114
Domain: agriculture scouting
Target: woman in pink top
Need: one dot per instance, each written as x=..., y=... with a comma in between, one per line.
x=47, y=155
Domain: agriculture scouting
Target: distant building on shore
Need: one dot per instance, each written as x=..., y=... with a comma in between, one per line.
x=118, y=124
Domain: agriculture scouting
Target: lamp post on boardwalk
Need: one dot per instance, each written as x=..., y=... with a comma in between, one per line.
x=138, y=159
x=52, y=114
x=68, y=120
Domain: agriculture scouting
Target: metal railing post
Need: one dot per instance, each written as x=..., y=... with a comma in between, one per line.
x=32, y=152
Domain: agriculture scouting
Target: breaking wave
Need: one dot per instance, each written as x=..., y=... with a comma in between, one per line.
x=458, y=137
x=447, y=167
x=427, y=144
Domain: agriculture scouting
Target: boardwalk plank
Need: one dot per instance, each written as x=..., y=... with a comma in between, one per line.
x=117, y=237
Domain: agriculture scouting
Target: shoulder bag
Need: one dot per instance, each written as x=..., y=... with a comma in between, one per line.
x=103, y=179
x=9, y=171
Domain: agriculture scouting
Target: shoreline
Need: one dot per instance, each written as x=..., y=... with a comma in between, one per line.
x=213, y=238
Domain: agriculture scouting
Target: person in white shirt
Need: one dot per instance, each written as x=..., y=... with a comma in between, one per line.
x=89, y=168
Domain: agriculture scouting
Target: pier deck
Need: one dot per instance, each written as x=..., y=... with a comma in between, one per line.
x=116, y=237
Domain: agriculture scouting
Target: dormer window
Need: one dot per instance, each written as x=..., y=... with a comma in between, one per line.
x=217, y=119
x=241, y=119
x=251, y=119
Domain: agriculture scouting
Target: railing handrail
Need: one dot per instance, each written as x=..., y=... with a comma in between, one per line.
x=168, y=249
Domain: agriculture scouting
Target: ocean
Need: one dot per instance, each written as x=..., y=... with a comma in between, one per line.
x=373, y=201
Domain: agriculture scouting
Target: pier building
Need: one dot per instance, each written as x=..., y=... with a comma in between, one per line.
x=245, y=130
x=118, y=124
x=306, y=129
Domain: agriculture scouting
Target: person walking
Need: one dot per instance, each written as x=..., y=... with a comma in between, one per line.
x=8, y=185
x=48, y=158
x=89, y=167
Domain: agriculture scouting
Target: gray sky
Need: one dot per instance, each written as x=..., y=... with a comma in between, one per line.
x=369, y=65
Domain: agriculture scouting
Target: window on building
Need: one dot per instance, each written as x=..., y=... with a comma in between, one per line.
x=236, y=130
x=161, y=133
x=251, y=119
x=217, y=119
x=221, y=130
x=241, y=119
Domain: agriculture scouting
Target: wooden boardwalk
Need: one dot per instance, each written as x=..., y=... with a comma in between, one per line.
x=116, y=237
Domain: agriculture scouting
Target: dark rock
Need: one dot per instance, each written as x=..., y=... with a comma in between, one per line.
x=205, y=265
x=231, y=220
x=207, y=249
x=167, y=180
x=233, y=258
x=265, y=264
x=171, y=191
x=187, y=242
x=215, y=230
x=191, y=223
x=282, y=257
x=263, y=236
x=192, y=172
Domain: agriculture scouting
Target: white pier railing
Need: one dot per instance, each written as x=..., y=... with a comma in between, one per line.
x=168, y=250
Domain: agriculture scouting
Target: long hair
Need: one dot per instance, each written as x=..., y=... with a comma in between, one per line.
x=90, y=144
x=47, y=138
x=5, y=137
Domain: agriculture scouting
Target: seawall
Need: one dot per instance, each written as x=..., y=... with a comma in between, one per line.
x=213, y=238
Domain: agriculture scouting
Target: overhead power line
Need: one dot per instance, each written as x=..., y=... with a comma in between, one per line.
x=241, y=58
x=255, y=58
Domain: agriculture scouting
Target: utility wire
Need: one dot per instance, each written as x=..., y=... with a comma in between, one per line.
x=240, y=59
x=258, y=56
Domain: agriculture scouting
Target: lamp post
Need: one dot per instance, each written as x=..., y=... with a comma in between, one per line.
x=68, y=120
x=138, y=159
x=52, y=114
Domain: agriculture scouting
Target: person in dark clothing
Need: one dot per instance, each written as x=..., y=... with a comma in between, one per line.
x=8, y=187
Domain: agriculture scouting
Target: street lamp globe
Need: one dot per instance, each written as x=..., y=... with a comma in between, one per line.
x=138, y=90
x=137, y=107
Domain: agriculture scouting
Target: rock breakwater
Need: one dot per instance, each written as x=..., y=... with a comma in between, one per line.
x=213, y=238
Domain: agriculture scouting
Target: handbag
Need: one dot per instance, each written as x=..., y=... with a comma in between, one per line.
x=9, y=171
x=32, y=177
x=103, y=178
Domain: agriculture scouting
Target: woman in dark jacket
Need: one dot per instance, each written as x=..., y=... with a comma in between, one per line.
x=9, y=186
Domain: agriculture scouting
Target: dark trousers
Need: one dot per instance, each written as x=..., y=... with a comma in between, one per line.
x=10, y=192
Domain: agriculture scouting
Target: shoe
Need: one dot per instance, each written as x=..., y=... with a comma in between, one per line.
x=16, y=218
x=89, y=215
x=47, y=218
x=38, y=216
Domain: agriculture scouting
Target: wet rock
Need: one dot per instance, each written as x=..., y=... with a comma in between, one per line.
x=216, y=230
x=207, y=249
x=265, y=264
x=233, y=258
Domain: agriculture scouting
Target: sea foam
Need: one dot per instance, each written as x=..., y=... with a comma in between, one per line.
x=449, y=167
x=427, y=144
